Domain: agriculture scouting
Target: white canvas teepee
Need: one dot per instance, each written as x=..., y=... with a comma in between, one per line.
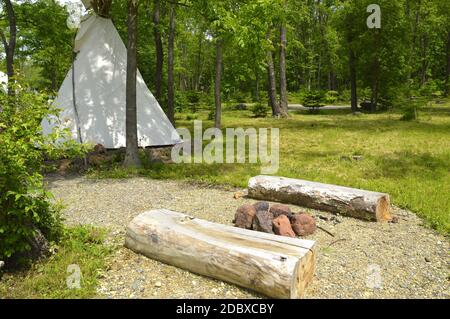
x=98, y=88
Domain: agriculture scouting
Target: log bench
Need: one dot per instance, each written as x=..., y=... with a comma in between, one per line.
x=352, y=202
x=278, y=267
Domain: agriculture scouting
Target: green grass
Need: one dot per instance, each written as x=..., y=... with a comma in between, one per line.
x=408, y=160
x=82, y=246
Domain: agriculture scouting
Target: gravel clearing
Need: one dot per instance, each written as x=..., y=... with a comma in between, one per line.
x=413, y=260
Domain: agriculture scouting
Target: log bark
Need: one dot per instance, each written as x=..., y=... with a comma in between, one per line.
x=275, y=266
x=352, y=202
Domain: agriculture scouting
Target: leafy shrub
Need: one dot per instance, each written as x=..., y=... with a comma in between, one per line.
x=410, y=108
x=181, y=101
x=313, y=100
x=260, y=110
x=193, y=97
x=331, y=97
x=430, y=88
x=24, y=204
x=191, y=117
x=211, y=115
x=240, y=97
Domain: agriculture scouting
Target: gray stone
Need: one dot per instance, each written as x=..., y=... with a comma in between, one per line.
x=263, y=222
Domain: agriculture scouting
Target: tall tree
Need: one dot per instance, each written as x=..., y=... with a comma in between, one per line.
x=283, y=80
x=10, y=45
x=217, y=84
x=447, y=71
x=272, y=86
x=132, y=150
x=170, y=68
x=159, y=48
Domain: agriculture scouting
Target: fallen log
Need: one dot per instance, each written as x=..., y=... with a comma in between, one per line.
x=352, y=202
x=278, y=267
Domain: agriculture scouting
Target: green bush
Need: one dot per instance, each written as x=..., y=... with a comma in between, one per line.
x=410, y=108
x=24, y=204
x=181, y=102
x=193, y=97
x=313, y=100
x=260, y=110
x=241, y=97
x=191, y=117
x=331, y=97
x=212, y=115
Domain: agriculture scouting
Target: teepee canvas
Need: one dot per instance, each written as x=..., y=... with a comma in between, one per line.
x=92, y=96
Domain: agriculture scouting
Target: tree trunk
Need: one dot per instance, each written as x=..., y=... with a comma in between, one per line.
x=170, y=77
x=10, y=46
x=272, y=86
x=159, y=49
x=352, y=66
x=198, y=68
x=132, y=151
x=217, y=85
x=352, y=202
x=447, y=74
x=283, y=82
x=276, y=266
x=376, y=73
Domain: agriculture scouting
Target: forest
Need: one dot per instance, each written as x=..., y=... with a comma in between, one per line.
x=263, y=51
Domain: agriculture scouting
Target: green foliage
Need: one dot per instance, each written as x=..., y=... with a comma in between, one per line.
x=260, y=110
x=331, y=97
x=83, y=246
x=24, y=203
x=191, y=116
x=211, y=115
x=313, y=100
x=193, y=97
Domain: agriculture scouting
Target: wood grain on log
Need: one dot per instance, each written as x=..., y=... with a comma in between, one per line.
x=336, y=199
x=275, y=266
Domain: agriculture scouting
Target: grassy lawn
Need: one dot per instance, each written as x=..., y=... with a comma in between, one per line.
x=408, y=160
x=82, y=246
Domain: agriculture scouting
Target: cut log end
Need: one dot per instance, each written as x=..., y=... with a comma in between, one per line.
x=304, y=274
x=383, y=210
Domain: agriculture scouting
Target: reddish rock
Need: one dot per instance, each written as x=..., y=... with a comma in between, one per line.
x=261, y=206
x=99, y=159
x=303, y=224
x=64, y=166
x=99, y=149
x=280, y=209
x=263, y=222
x=244, y=216
x=282, y=226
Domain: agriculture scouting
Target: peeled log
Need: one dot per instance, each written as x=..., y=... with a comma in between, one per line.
x=275, y=266
x=352, y=202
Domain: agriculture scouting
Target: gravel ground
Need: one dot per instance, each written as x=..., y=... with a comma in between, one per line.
x=413, y=260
